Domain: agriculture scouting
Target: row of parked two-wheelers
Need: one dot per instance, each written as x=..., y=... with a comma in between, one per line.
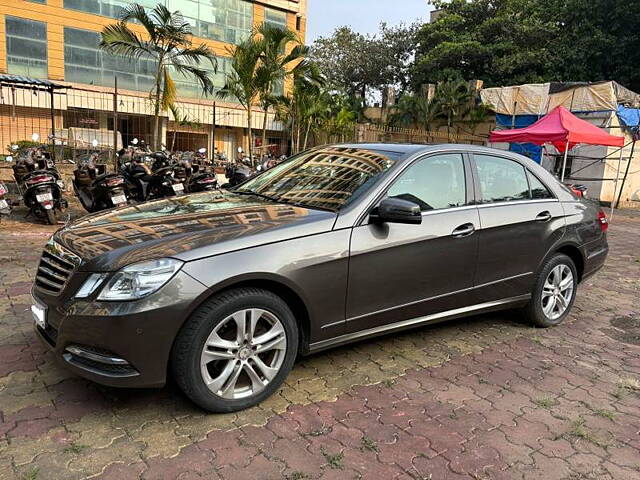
x=142, y=175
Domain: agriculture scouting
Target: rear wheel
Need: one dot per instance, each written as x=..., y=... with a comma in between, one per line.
x=554, y=292
x=51, y=216
x=235, y=350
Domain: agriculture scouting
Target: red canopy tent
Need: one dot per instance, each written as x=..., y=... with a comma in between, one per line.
x=561, y=128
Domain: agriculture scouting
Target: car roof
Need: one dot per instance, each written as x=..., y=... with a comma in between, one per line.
x=409, y=149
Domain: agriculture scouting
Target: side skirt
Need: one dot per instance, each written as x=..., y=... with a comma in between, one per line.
x=419, y=321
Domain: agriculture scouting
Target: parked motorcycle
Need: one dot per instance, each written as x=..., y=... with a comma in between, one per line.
x=96, y=189
x=39, y=184
x=5, y=203
x=579, y=190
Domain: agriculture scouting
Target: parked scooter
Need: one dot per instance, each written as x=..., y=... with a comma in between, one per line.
x=238, y=172
x=146, y=182
x=40, y=184
x=202, y=177
x=96, y=189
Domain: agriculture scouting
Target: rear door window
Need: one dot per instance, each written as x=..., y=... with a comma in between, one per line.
x=538, y=190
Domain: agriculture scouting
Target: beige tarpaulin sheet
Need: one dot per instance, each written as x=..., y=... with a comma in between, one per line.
x=535, y=99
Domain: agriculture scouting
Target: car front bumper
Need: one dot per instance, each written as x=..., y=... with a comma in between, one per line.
x=119, y=344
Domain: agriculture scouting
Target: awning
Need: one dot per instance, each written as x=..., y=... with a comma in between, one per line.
x=560, y=128
x=29, y=82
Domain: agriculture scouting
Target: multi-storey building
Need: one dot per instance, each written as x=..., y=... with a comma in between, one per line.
x=57, y=40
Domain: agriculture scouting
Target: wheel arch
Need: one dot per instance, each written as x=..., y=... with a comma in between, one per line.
x=574, y=253
x=276, y=286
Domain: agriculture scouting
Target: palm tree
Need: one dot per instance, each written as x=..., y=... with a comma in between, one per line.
x=453, y=100
x=414, y=110
x=276, y=64
x=167, y=41
x=242, y=82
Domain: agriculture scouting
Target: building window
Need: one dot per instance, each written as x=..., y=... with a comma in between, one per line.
x=276, y=18
x=84, y=62
x=26, y=47
x=38, y=1
x=190, y=87
x=106, y=8
x=227, y=21
x=298, y=23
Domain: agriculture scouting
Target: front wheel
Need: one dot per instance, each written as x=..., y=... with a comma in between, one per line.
x=554, y=292
x=235, y=350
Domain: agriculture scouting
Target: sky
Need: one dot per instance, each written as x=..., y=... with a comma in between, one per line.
x=363, y=16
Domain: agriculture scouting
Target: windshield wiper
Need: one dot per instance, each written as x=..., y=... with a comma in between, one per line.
x=261, y=195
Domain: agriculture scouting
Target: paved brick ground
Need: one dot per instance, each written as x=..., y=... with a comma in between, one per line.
x=486, y=397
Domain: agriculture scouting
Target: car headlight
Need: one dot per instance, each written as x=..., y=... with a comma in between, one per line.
x=140, y=279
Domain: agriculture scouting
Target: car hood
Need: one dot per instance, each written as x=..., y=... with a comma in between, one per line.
x=186, y=227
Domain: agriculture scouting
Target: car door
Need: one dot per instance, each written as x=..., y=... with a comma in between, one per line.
x=399, y=271
x=520, y=221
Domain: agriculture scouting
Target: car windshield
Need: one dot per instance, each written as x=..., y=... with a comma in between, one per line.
x=327, y=178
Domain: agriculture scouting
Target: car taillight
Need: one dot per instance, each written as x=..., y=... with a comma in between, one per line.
x=40, y=178
x=114, y=181
x=207, y=180
x=603, y=221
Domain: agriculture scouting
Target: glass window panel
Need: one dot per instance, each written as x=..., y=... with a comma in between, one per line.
x=276, y=18
x=501, y=179
x=26, y=47
x=223, y=20
x=433, y=183
x=82, y=51
x=538, y=190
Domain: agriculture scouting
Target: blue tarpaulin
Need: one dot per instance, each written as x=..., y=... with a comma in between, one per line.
x=629, y=116
x=534, y=152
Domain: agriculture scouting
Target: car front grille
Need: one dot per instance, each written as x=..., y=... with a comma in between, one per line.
x=56, y=266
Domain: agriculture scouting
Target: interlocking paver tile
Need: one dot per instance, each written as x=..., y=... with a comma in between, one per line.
x=483, y=397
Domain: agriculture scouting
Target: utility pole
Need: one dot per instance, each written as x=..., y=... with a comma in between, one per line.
x=213, y=133
x=115, y=123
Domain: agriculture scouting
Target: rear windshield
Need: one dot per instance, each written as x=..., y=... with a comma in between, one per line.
x=327, y=178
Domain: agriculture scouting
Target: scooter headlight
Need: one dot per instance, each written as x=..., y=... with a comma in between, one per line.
x=140, y=279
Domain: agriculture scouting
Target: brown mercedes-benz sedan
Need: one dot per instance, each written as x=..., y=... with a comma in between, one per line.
x=339, y=243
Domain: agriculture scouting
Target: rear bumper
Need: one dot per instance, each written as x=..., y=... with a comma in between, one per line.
x=120, y=344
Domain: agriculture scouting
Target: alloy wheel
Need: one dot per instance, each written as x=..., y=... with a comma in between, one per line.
x=243, y=353
x=557, y=291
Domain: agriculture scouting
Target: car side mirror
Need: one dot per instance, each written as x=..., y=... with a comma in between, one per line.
x=396, y=210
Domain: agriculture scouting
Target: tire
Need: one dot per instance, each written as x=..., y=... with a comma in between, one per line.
x=51, y=216
x=223, y=314
x=540, y=311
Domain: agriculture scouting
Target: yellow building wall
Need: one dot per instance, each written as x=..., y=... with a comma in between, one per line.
x=56, y=17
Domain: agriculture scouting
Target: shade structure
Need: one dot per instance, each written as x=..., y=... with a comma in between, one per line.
x=561, y=128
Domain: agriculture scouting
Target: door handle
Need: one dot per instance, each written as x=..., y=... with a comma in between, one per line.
x=463, y=230
x=543, y=216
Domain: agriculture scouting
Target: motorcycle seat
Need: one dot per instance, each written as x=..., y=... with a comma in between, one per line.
x=83, y=178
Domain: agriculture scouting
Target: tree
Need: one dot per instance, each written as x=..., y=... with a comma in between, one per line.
x=168, y=42
x=507, y=42
x=414, y=110
x=361, y=65
x=242, y=82
x=276, y=65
